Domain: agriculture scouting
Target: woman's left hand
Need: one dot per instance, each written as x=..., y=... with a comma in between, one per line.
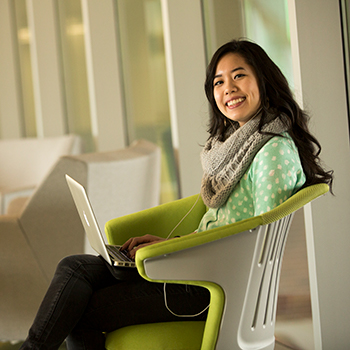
x=132, y=245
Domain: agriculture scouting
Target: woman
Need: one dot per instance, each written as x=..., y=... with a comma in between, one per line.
x=259, y=153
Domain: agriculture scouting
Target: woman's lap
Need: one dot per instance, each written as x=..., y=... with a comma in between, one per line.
x=88, y=296
x=130, y=302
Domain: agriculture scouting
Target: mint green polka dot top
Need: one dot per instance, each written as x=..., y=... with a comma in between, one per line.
x=275, y=174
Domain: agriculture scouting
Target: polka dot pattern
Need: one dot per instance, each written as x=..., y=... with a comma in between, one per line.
x=274, y=175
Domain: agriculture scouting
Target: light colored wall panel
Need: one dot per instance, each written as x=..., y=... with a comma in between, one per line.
x=10, y=101
x=186, y=64
x=48, y=96
x=106, y=104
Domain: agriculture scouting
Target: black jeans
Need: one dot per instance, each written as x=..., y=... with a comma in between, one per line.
x=88, y=297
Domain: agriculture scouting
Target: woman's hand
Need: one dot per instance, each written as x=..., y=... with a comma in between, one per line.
x=132, y=245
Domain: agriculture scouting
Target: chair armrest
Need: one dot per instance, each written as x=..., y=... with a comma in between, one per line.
x=196, y=240
x=159, y=220
x=9, y=194
x=16, y=206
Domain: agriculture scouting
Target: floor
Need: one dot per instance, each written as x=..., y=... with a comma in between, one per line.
x=7, y=346
x=294, y=334
x=290, y=335
x=16, y=346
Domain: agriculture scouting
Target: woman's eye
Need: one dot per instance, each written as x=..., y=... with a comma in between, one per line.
x=237, y=76
x=218, y=82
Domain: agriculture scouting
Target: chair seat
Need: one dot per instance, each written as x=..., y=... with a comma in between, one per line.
x=182, y=335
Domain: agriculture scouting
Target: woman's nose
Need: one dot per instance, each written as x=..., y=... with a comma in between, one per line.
x=230, y=87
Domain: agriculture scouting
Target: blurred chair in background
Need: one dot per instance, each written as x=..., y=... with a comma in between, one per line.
x=35, y=237
x=25, y=162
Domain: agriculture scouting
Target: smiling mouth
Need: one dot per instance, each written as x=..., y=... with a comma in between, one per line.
x=235, y=101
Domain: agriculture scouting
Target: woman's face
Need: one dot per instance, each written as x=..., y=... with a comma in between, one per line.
x=236, y=90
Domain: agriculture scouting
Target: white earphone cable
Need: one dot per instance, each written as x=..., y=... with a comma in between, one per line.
x=177, y=315
x=177, y=225
x=164, y=288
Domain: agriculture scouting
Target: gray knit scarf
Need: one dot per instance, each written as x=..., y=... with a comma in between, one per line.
x=224, y=163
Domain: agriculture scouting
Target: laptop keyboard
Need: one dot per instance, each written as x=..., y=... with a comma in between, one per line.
x=114, y=250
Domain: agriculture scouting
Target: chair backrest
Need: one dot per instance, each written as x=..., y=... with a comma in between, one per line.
x=258, y=317
x=257, y=312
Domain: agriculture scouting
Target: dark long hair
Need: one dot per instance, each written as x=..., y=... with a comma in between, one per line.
x=276, y=98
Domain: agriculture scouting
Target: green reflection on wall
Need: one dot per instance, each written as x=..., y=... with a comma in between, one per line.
x=266, y=22
x=263, y=21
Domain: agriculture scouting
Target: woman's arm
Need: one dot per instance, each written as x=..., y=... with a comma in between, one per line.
x=276, y=174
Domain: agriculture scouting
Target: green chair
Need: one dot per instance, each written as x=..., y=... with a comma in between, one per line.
x=238, y=263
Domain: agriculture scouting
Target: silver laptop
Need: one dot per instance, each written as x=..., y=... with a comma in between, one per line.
x=110, y=253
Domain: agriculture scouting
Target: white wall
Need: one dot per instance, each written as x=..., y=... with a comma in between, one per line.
x=317, y=48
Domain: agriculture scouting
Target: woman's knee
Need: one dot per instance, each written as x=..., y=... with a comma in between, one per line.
x=75, y=262
x=90, y=268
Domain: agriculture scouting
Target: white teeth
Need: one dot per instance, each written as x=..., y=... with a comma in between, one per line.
x=233, y=102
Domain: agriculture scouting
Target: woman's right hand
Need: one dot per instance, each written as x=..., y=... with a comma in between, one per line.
x=133, y=244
